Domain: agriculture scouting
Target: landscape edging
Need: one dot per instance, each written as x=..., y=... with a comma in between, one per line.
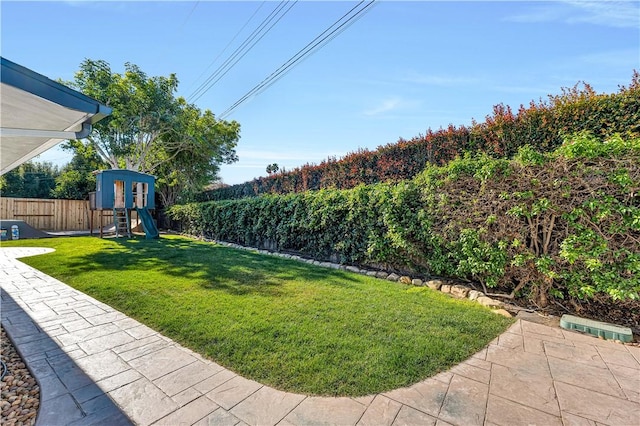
x=455, y=290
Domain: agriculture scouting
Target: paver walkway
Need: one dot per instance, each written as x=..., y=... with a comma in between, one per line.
x=95, y=365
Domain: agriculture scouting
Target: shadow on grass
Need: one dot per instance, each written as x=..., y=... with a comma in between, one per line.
x=217, y=267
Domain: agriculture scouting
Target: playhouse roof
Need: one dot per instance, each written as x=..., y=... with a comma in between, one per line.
x=38, y=113
x=122, y=172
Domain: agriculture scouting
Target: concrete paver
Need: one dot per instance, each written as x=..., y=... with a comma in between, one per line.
x=616, y=357
x=143, y=401
x=629, y=380
x=426, y=396
x=586, y=355
x=189, y=413
x=162, y=362
x=501, y=411
x=97, y=366
x=267, y=406
x=99, y=344
x=469, y=370
x=186, y=396
x=382, y=412
x=528, y=363
x=408, y=416
x=569, y=419
x=603, y=409
x=594, y=378
x=526, y=388
x=219, y=417
x=465, y=402
x=635, y=351
x=102, y=365
x=139, y=348
x=214, y=381
x=326, y=411
x=185, y=377
x=232, y=392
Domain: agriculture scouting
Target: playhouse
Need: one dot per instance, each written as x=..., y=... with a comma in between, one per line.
x=124, y=192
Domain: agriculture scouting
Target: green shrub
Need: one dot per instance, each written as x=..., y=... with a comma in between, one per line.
x=564, y=224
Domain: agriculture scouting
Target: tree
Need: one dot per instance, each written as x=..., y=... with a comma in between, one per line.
x=273, y=168
x=211, y=143
x=29, y=180
x=143, y=109
x=77, y=178
x=152, y=131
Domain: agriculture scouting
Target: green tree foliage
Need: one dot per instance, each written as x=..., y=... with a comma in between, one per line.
x=77, y=179
x=30, y=180
x=152, y=131
x=143, y=110
x=210, y=143
x=273, y=168
x=541, y=124
x=546, y=226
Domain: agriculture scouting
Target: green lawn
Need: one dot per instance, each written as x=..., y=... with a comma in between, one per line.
x=283, y=323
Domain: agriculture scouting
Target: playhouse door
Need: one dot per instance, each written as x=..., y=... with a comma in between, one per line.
x=118, y=194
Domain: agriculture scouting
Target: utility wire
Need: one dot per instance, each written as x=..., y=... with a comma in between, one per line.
x=257, y=35
x=318, y=46
x=238, y=49
x=188, y=16
x=221, y=71
x=228, y=44
x=312, y=47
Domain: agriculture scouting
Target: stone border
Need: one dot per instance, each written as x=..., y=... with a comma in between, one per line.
x=457, y=291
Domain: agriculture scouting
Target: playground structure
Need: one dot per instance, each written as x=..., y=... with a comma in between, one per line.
x=121, y=193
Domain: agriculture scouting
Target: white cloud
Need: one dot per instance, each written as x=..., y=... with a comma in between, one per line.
x=385, y=106
x=389, y=105
x=537, y=14
x=622, y=14
x=608, y=13
x=621, y=58
x=438, y=80
x=534, y=90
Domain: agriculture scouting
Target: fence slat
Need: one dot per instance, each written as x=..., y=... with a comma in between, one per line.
x=52, y=215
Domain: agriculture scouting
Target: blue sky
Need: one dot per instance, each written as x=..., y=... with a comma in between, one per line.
x=401, y=69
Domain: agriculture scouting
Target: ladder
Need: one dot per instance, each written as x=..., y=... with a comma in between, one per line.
x=122, y=222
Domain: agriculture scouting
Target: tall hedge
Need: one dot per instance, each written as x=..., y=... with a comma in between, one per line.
x=541, y=124
x=564, y=224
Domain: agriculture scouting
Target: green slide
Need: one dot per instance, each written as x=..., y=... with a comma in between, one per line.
x=150, y=228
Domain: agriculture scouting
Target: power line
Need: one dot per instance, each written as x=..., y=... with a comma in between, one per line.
x=318, y=46
x=228, y=44
x=188, y=16
x=242, y=50
x=253, y=39
x=312, y=47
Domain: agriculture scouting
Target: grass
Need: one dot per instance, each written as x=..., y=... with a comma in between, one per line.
x=283, y=323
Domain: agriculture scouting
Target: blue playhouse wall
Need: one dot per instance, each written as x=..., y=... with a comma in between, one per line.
x=127, y=184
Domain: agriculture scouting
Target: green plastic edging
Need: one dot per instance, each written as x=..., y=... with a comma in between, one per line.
x=597, y=328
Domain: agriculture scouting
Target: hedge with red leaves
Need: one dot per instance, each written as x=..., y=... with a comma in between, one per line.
x=542, y=125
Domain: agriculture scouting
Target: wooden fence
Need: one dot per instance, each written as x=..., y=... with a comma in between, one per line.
x=53, y=215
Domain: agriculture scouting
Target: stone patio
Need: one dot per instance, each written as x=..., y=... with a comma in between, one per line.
x=95, y=365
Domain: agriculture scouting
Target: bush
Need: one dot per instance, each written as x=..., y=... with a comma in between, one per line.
x=564, y=224
x=542, y=125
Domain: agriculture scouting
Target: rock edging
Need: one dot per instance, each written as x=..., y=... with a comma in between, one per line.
x=455, y=290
